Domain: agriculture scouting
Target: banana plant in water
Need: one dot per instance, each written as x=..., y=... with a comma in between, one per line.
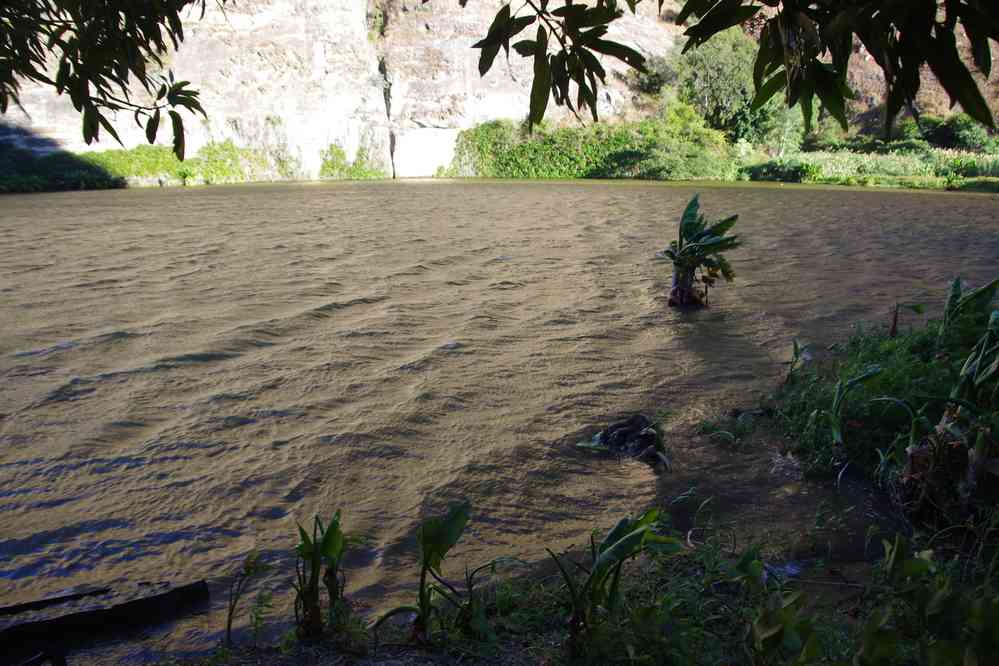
x=318, y=563
x=697, y=255
x=596, y=591
x=437, y=536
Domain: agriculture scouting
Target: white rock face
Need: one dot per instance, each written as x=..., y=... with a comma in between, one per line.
x=294, y=76
x=422, y=152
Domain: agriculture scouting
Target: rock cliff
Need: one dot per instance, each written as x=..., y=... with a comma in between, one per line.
x=395, y=77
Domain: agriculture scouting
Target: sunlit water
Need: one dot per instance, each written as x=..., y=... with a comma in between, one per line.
x=186, y=373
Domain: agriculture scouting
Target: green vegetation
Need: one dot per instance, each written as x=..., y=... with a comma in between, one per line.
x=917, y=410
x=251, y=567
x=673, y=145
x=959, y=131
x=677, y=144
x=334, y=165
x=215, y=163
x=717, y=81
x=705, y=125
x=437, y=537
x=594, y=595
x=697, y=255
x=318, y=562
x=926, y=168
x=647, y=596
x=22, y=171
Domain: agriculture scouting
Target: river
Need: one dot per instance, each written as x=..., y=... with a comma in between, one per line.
x=185, y=373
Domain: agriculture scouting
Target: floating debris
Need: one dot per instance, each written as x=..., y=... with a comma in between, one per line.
x=636, y=437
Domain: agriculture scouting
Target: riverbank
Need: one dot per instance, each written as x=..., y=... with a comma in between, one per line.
x=674, y=146
x=221, y=163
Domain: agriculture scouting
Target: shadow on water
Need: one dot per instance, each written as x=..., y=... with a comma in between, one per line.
x=32, y=163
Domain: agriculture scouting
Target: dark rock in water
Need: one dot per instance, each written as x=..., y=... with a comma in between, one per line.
x=635, y=436
x=630, y=436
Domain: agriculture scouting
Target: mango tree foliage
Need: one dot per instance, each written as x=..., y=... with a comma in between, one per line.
x=804, y=48
x=96, y=51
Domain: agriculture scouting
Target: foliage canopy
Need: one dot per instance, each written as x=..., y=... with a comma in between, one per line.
x=95, y=50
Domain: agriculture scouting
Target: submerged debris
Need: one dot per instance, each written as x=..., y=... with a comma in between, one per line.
x=636, y=437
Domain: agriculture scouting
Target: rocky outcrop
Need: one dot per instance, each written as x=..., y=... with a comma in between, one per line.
x=396, y=77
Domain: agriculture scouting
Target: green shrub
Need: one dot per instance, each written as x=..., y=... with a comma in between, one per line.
x=219, y=163
x=948, y=163
x=23, y=171
x=962, y=132
x=787, y=170
x=334, y=164
x=826, y=135
x=959, y=132
x=141, y=161
x=843, y=167
x=697, y=255
x=716, y=80
x=673, y=145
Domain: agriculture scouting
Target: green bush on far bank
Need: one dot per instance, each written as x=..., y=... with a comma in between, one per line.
x=334, y=165
x=22, y=171
x=675, y=144
x=926, y=169
x=221, y=162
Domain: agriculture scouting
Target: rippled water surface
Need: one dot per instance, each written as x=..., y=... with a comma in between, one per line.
x=184, y=373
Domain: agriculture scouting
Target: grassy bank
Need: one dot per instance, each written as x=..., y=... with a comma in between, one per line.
x=913, y=167
x=214, y=163
x=22, y=171
x=678, y=145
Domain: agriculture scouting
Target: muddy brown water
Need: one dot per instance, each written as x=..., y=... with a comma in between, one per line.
x=186, y=373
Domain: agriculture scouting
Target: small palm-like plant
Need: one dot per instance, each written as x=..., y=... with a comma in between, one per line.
x=437, y=536
x=594, y=593
x=697, y=255
x=324, y=548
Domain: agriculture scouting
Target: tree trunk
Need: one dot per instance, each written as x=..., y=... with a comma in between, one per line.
x=683, y=294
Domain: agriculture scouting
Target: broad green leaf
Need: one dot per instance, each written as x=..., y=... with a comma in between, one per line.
x=724, y=15
x=438, y=535
x=525, y=47
x=178, y=135
x=696, y=8
x=486, y=57
x=625, y=54
x=627, y=525
x=723, y=227
x=541, y=87
x=592, y=63
x=333, y=541
x=773, y=85
x=109, y=127
x=152, y=125
x=944, y=60
x=827, y=86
